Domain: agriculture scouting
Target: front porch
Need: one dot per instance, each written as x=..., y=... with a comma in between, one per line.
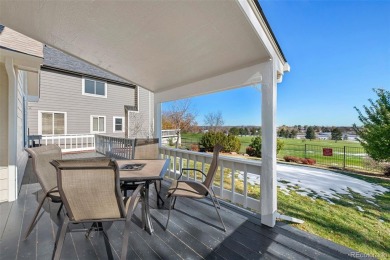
x=193, y=233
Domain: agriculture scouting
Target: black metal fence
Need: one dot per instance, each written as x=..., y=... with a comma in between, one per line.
x=344, y=157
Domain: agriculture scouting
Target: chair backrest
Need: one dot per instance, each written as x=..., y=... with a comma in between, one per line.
x=146, y=148
x=89, y=188
x=45, y=172
x=213, y=166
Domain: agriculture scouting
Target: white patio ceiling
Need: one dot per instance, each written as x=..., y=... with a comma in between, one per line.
x=159, y=45
x=176, y=49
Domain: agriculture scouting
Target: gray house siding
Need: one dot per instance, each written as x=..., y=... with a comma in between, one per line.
x=62, y=92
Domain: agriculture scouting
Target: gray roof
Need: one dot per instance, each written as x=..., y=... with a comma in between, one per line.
x=53, y=58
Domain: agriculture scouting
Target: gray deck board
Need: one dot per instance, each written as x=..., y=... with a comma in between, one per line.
x=194, y=232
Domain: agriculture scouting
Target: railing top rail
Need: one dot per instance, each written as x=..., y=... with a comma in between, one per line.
x=210, y=155
x=63, y=135
x=117, y=137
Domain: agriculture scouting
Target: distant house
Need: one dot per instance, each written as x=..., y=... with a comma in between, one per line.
x=75, y=97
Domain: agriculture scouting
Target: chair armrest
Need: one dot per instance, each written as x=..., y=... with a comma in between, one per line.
x=190, y=169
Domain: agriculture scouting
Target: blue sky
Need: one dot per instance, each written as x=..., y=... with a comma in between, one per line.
x=338, y=51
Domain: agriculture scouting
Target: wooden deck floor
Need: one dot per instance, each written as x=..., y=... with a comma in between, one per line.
x=193, y=233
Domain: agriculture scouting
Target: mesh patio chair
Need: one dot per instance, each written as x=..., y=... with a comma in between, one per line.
x=196, y=190
x=90, y=191
x=46, y=175
x=145, y=148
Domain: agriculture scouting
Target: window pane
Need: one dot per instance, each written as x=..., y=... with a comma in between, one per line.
x=101, y=124
x=47, y=123
x=89, y=86
x=95, y=124
x=100, y=90
x=59, y=123
x=118, y=124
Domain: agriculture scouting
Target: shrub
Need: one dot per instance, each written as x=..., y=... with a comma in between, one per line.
x=294, y=159
x=311, y=161
x=194, y=147
x=230, y=143
x=386, y=170
x=289, y=158
x=256, y=146
x=250, y=151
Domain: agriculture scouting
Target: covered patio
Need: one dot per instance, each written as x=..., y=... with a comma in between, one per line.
x=176, y=49
x=194, y=233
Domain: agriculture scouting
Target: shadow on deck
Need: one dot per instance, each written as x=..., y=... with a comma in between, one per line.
x=193, y=233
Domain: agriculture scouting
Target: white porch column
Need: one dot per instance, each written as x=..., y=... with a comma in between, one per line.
x=157, y=121
x=12, y=130
x=268, y=193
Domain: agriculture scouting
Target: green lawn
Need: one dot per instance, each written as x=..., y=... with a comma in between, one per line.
x=341, y=222
x=367, y=232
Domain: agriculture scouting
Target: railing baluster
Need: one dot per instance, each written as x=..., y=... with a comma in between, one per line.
x=233, y=182
x=221, y=181
x=245, y=186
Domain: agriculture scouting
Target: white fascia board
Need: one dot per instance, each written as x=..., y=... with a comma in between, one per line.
x=22, y=61
x=260, y=26
x=244, y=77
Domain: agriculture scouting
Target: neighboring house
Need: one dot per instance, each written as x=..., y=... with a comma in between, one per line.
x=20, y=60
x=75, y=97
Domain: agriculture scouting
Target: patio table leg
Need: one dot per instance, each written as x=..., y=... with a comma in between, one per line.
x=149, y=224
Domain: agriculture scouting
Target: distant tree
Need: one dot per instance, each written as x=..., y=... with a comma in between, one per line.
x=336, y=134
x=281, y=132
x=374, y=135
x=293, y=133
x=214, y=121
x=234, y=131
x=287, y=133
x=299, y=128
x=310, y=134
x=180, y=116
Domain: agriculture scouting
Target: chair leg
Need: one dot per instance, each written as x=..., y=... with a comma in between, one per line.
x=61, y=233
x=158, y=193
x=59, y=210
x=106, y=242
x=174, y=203
x=219, y=205
x=216, y=209
x=32, y=224
x=169, y=212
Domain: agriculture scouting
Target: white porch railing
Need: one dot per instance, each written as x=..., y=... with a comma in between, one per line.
x=71, y=142
x=237, y=180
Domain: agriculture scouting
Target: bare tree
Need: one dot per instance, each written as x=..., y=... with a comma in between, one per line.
x=214, y=120
x=179, y=116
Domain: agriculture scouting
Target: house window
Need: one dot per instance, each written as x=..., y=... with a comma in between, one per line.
x=94, y=88
x=53, y=123
x=98, y=124
x=118, y=123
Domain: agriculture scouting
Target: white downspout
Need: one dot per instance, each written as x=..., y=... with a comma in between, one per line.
x=12, y=130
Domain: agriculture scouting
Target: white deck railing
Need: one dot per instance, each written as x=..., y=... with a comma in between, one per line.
x=71, y=142
x=237, y=180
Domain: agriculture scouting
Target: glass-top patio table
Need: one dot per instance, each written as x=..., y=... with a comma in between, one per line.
x=147, y=171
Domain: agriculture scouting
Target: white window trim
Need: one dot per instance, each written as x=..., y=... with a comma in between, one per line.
x=91, y=124
x=93, y=95
x=113, y=124
x=45, y=111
